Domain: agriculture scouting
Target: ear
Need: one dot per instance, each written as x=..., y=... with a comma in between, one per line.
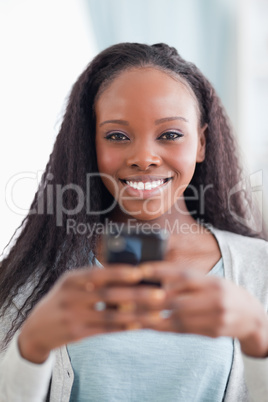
x=201, y=148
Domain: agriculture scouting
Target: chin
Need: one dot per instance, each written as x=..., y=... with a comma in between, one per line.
x=142, y=213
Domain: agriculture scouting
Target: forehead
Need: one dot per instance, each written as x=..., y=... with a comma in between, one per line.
x=146, y=89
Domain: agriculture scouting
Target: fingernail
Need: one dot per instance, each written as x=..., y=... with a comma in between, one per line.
x=127, y=307
x=158, y=294
x=133, y=326
x=147, y=270
x=135, y=274
x=132, y=274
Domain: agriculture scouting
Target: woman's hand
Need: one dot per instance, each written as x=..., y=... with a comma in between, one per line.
x=210, y=306
x=68, y=313
x=198, y=304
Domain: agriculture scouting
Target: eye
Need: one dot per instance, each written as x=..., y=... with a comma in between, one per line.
x=170, y=135
x=117, y=136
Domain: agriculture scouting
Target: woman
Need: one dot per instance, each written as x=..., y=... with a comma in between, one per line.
x=152, y=127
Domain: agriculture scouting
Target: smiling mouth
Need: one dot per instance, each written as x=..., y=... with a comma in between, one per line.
x=146, y=185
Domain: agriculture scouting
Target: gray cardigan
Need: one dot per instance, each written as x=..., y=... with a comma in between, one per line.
x=245, y=263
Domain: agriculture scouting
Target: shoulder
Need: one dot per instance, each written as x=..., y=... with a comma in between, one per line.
x=245, y=261
x=241, y=244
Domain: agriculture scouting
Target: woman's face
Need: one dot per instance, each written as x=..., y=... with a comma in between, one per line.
x=148, y=140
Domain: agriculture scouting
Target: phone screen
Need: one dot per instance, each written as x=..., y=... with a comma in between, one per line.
x=135, y=248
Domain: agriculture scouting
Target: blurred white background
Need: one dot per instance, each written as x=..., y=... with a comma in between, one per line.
x=46, y=45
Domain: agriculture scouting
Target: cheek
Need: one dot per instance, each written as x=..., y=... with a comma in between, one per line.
x=106, y=170
x=108, y=164
x=184, y=160
x=108, y=160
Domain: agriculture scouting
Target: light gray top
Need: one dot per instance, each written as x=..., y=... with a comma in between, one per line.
x=147, y=365
x=246, y=263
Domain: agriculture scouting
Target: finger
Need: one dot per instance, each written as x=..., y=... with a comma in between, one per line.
x=115, y=319
x=152, y=319
x=141, y=296
x=74, y=323
x=198, y=302
x=190, y=282
x=96, y=277
x=204, y=325
x=109, y=317
x=168, y=273
x=127, y=298
x=116, y=275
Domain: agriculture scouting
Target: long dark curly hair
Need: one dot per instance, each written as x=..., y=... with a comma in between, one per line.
x=43, y=250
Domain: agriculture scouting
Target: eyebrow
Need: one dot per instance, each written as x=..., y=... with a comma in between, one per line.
x=122, y=122
x=158, y=121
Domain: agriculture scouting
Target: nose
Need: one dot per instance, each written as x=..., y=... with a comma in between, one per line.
x=143, y=157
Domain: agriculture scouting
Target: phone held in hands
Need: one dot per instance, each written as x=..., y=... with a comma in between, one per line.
x=130, y=247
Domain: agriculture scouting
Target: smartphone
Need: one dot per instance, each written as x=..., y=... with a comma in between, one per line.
x=134, y=248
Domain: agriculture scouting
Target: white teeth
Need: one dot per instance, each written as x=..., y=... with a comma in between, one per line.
x=149, y=185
